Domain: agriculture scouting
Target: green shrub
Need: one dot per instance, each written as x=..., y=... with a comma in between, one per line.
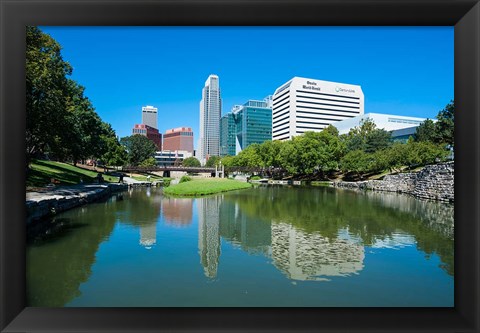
x=185, y=179
x=166, y=182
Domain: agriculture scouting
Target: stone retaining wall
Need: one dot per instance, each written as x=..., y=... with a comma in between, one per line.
x=53, y=201
x=434, y=182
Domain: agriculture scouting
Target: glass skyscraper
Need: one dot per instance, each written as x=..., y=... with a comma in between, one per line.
x=210, y=112
x=228, y=134
x=252, y=124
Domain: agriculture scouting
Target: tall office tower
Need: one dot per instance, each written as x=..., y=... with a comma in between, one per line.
x=149, y=116
x=210, y=112
x=302, y=105
x=180, y=138
x=228, y=133
x=246, y=124
x=253, y=122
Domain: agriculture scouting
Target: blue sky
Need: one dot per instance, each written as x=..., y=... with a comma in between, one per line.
x=402, y=70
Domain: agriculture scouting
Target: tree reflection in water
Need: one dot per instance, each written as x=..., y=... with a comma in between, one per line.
x=310, y=233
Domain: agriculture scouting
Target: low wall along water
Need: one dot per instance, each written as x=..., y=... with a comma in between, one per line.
x=46, y=203
x=434, y=182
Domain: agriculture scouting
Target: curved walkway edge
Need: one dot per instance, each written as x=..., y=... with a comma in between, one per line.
x=48, y=202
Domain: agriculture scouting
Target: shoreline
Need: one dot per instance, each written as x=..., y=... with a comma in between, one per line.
x=48, y=202
x=434, y=182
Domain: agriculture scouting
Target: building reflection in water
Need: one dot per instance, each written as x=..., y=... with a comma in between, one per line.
x=208, y=234
x=315, y=242
x=251, y=235
x=148, y=235
x=299, y=254
x=305, y=255
x=177, y=211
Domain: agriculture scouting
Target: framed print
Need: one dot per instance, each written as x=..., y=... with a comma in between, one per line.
x=345, y=236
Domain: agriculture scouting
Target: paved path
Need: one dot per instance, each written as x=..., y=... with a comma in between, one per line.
x=130, y=180
x=53, y=200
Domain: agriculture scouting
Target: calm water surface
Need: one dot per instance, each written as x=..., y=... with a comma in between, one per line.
x=266, y=246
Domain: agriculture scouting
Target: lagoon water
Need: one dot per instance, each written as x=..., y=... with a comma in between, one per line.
x=268, y=246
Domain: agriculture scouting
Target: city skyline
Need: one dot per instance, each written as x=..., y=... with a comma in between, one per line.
x=120, y=79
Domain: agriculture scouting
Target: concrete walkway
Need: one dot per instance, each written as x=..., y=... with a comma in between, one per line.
x=50, y=201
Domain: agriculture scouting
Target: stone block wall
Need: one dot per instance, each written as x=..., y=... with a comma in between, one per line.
x=434, y=182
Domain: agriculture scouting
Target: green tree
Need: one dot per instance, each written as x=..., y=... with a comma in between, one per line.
x=139, y=148
x=269, y=153
x=228, y=161
x=423, y=153
x=212, y=161
x=426, y=131
x=445, y=124
x=191, y=162
x=115, y=154
x=46, y=88
x=148, y=162
x=86, y=131
x=357, y=162
x=249, y=157
x=377, y=139
x=288, y=158
x=396, y=156
x=112, y=153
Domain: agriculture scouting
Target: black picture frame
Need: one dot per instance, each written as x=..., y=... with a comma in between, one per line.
x=16, y=14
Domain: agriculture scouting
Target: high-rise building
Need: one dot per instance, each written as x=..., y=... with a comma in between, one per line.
x=151, y=133
x=253, y=122
x=210, y=112
x=149, y=116
x=228, y=134
x=303, y=104
x=180, y=138
x=246, y=124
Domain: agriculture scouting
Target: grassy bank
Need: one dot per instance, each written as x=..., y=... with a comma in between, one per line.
x=42, y=172
x=206, y=186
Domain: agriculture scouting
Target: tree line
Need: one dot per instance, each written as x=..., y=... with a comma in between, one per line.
x=62, y=123
x=365, y=150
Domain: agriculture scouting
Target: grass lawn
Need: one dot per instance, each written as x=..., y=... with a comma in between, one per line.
x=197, y=187
x=41, y=173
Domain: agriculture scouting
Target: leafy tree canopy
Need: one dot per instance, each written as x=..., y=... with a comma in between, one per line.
x=212, y=161
x=139, y=148
x=191, y=162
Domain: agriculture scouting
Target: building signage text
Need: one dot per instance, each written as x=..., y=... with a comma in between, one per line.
x=311, y=86
x=349, y=90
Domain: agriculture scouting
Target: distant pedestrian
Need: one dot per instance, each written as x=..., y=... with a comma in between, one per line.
x=120, y=179
x=100, y=178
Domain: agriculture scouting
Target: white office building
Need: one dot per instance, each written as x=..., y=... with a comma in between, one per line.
x=149, y=116
x=210, y=113
x=400, y=127
x=388, y=122
x=302, y=105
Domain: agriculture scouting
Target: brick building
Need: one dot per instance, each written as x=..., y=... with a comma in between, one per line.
x=180, y=138
x=151, y=133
